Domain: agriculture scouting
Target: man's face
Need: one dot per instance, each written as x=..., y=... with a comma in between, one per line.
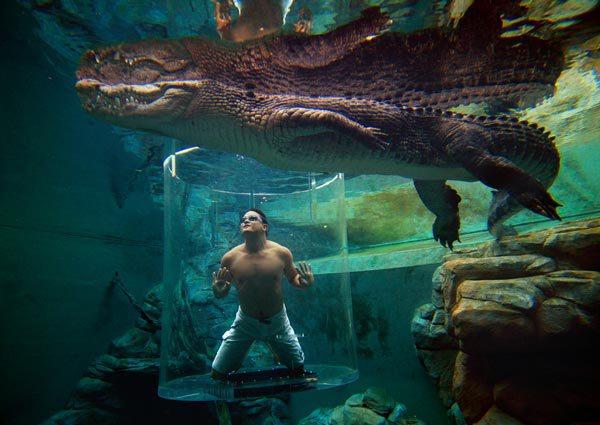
x=251, y=222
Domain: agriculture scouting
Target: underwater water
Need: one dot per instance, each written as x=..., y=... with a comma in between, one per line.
x=91, y=211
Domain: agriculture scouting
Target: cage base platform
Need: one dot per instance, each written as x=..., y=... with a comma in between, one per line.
x=255, y=383
x=270, y=381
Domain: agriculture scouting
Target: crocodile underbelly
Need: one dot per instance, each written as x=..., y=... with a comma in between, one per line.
x=343, y=158
x=361, y=164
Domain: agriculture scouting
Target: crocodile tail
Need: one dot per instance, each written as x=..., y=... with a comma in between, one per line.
x=315, y=51
x=443, y=67
x=292, y=50
x=472, y=61
x=445, y=70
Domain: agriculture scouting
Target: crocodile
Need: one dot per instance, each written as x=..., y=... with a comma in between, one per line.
x=359, y=99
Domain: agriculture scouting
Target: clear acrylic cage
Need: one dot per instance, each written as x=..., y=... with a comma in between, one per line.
x=306, y=211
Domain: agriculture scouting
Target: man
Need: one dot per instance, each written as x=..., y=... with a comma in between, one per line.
x=256, y=268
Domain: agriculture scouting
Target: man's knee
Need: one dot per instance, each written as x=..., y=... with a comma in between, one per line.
x=297, y=369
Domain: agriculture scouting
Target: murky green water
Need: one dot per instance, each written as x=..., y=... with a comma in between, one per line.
x=83, y=200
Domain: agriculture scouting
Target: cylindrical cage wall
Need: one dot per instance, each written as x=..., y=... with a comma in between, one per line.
x=202, y=207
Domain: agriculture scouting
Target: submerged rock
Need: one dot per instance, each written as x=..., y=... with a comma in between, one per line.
x=398, y=413
x=373, y=407
x=378, y=401
x=521, y=318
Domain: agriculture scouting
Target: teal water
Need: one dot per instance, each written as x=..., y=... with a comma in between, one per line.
x=82, y=200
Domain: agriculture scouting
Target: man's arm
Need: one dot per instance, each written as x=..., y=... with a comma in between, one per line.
x=300, y=278
x=223, y=278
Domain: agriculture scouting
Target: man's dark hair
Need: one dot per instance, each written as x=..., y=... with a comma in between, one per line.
x=263, y=217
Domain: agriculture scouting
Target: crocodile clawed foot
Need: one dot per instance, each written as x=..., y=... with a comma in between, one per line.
x=379, y=138
x=539, y=201
x=445, y=230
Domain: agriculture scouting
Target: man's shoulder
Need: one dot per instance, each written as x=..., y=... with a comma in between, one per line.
x=236, y=249
x=279, y=248
x=232, y=253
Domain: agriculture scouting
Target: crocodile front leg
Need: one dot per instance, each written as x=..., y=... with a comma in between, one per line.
x=442, y=200
x=293, y=122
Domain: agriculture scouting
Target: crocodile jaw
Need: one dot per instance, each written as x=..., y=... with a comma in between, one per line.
x=144, y=84
x=146, y=106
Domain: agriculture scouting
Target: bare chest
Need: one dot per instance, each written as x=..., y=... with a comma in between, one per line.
x=257, y=268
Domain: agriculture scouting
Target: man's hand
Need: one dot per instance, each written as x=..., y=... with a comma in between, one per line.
x=222, y=282
x=305, y=275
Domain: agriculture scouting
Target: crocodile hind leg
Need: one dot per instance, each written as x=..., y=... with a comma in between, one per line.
x=503, y=207
x=502, y=174
x=441, y=200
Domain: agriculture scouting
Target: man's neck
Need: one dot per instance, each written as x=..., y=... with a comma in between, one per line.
x=256, y=243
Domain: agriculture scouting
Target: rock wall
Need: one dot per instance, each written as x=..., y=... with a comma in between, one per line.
x=511, y=332
x=120, y=387
x=373, y=407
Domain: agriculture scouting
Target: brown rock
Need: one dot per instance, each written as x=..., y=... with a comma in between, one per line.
x=570, y=316
x=558, y=317
x=445, y=387
x=453, y=273
x=525, y=312
x=518, y=294
x=582, y=287
x=495, y=416
x=576, y=248
x=532, y=402
x=501, y=266
x=580, y=396
x=471, y=388
x=490, y=327
x=573, y=245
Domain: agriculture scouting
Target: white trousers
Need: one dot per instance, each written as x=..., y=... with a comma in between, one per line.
x=275, y=331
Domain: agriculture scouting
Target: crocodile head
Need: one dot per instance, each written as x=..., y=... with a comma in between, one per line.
x=146, y=85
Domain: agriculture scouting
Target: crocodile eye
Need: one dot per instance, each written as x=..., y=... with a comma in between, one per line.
x=92, y=56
